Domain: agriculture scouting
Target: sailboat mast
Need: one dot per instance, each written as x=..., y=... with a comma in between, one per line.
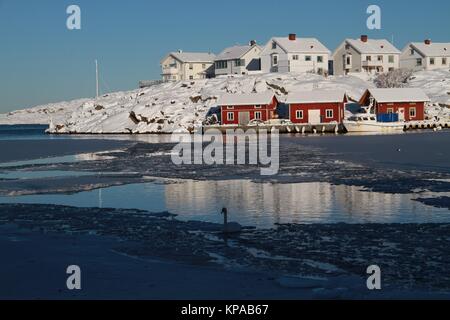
x=96, y=80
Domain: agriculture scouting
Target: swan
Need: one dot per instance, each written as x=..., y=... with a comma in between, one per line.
x=230, y=227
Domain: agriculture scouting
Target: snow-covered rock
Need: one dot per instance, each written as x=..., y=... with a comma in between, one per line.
x=182, y=106
x=56, y=112
x=436, y=85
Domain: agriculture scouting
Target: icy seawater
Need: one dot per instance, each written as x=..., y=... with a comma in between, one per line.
x=254, y=204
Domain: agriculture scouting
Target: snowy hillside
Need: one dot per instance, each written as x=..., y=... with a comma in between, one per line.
x=436, y=85
x=42, y=114
x=181, y=106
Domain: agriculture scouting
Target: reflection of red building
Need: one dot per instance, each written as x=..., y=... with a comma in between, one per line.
x=408, y=103
x=316, y=107
x=240, y=109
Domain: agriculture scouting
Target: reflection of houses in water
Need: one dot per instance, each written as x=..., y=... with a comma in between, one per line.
x=265, y=204
x=270, y=203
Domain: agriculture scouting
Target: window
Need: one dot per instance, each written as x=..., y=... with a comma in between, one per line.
x=191, y=66
x=412, y=52
x=319, y=59
x=204, y=66
x=237, y=62
x=295, y=57
x=299, y=114
x=330, y=114
x=390, y=110
x=275, y=60
x=191, y=77
x=274, y=45
x=258, y=107
x=391, y=69
x=380, y=58
x=258, y=115
x=320, y=71
x=412, y=112
x=230, y=116
x=432, y=61
x=391, y=59
x=221, y=65
x=230, y=107
x=419, y=62
x=349, y=61
x=368, y=58
x=308, y=58
x=444, y=61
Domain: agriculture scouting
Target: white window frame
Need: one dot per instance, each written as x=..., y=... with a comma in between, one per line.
x=329, y=114
x=258, y=115
x=308, y=58
x=390, y=110
x=444, y=61
x=275, y=57
x=299, y=114
x=319, y=59
x=230, y=116
x=230, y=107
x=432, y=61
x=295, y=57
x=391, y=59
x=258, y=106
x=413, y=112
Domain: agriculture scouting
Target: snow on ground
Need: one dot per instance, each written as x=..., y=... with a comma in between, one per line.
x=42, y=114
x=436, y=85
x=182, y=106
x=171, y=107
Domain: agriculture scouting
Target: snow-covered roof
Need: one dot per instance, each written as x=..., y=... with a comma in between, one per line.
x=301, y=45
x=317, y=96
x=246, y=99
x=193, y=56
x=235, y=52
x=382, y=95
x=373, y=46
x=432, y=49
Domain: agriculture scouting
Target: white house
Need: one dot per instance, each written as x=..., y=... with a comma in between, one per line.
x=365, y=55
x=426, y=56
x=292, y=54
x=238, y=60
x=187, y=66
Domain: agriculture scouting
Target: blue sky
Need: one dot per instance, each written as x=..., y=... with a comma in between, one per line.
x=42, y=61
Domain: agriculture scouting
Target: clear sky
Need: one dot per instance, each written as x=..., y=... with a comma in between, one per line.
x=42, y=61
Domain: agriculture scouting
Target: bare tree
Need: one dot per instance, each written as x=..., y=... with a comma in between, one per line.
x=393, y=79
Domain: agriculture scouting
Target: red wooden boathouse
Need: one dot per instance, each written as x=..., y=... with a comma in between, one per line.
x=316, y=107
x=240, y=109
x=408, y=103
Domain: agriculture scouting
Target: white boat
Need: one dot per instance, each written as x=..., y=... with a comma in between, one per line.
x=368, y=123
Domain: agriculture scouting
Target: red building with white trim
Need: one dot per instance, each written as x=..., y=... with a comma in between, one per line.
x=316, y=107
x=408, y=103
x=240, y=109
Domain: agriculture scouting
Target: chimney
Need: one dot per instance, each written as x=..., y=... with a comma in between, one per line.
x=364, y=38
x=292, y=36
x=427, y=41
x=252, y=43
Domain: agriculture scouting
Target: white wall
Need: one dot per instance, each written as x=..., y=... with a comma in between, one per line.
x=358, y=60
x=248, y=58
x=409, y=61
x=182, y=71
x=286, y=63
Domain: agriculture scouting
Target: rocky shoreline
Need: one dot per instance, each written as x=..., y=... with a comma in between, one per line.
x=411, y=256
